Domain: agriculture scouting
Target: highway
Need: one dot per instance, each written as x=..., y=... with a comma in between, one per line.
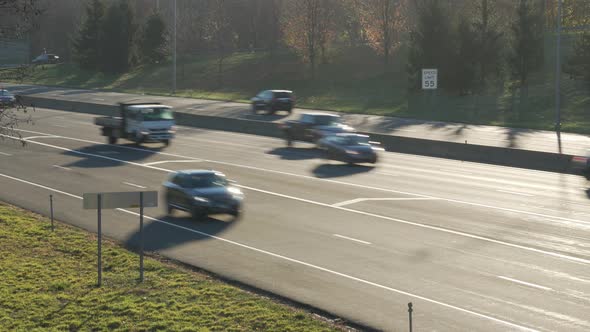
x=474, y=247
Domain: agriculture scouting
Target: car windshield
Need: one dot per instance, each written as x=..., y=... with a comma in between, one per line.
x=205, y=181
x=326, y=120
x=355, y=140
x=157, y=114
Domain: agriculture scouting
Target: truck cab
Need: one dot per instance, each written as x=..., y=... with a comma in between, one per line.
x=139, y=122
x=148, y=122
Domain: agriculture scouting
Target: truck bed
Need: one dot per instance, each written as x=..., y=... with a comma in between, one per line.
x=109, y=121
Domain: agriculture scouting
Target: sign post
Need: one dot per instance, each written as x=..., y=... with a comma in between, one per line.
x=99, y=209
x=120, y=200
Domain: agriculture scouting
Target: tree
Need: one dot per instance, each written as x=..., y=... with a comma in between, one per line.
x=16, y=20
x=578, y=64
x=431, y=44
x=527, y=44
x=383, y=22
x=489, y=38
x=308, y=29
x=87, y=45
x=221, y=34
x=116, y=41
x=152, y=44
x=17, y=17
x=466, y=59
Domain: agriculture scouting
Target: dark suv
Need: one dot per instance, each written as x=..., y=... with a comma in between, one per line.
x=272, y=101
x=202, y=192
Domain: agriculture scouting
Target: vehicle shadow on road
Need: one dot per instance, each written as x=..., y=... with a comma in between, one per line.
x=338, y=170
x=103, y=155
x=291, y=153
x=159, y=236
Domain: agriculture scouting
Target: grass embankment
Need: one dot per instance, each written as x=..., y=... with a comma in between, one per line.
x=47, y=282
x=353, y=81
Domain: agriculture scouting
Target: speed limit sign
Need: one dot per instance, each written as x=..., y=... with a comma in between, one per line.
x=429, y=79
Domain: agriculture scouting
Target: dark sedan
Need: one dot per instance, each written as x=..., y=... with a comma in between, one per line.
x=7, y=98
x=202, y=192
x=349, y=148
x=272, y=101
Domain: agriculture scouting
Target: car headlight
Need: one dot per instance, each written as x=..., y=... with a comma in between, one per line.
x=145, y=132
x=352, y=152
x=236, y=192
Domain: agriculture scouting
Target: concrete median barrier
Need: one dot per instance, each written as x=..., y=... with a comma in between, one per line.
x=545, y=161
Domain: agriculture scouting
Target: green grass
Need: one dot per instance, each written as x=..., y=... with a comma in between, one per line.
x=47, y=282
x=353, y=81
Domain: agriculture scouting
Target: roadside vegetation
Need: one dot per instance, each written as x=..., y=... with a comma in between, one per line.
x=47, y=282
x=496, y=59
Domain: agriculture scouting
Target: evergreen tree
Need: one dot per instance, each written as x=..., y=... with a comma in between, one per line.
x=466, y=59
x=527, y=45
x=152, y=44
x=86, y=46
x=431, y=44
x=578, y=64
x=489, y=58
x=117, y=38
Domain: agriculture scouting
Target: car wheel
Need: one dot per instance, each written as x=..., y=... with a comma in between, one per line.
x=169, y=209
x=112, y=140
x=254, y=109
x=289, y=140
x=166, y=142
x=198, y=214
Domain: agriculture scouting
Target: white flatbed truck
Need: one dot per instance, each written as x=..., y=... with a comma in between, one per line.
x=139, y=122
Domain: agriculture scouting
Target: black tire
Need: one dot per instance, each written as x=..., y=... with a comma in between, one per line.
x=112, y=140
x=270, y=109
x=236, y=214
x=198, y=214
x=169, y=209
x=290, y=110
x=288, y=139
x=166, y=142
x=254, y=109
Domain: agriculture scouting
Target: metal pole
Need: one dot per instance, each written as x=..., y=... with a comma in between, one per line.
x=99, y=241
x=558, y=71
x=51, y=209
x=141, y=236
x=410, y=314
x=174, y=56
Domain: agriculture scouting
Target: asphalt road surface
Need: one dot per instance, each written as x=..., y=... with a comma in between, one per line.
x=517, y=138
x=474, y=247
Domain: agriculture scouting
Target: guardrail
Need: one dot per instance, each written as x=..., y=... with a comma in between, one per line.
x=538, y=160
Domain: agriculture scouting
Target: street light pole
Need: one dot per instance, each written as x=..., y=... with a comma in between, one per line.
x=558, y=71
x=174, y=55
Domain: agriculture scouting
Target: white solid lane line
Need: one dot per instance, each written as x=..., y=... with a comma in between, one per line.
x=358, y=200
x=5, y=154
x=480, y=205
x=43, y=136
x=172, y=161
x=61, y=167
x=351, y=239
x=134, y=185
x=525, y=283
x=514, y=193
x=417, y=224
x=292, y=260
